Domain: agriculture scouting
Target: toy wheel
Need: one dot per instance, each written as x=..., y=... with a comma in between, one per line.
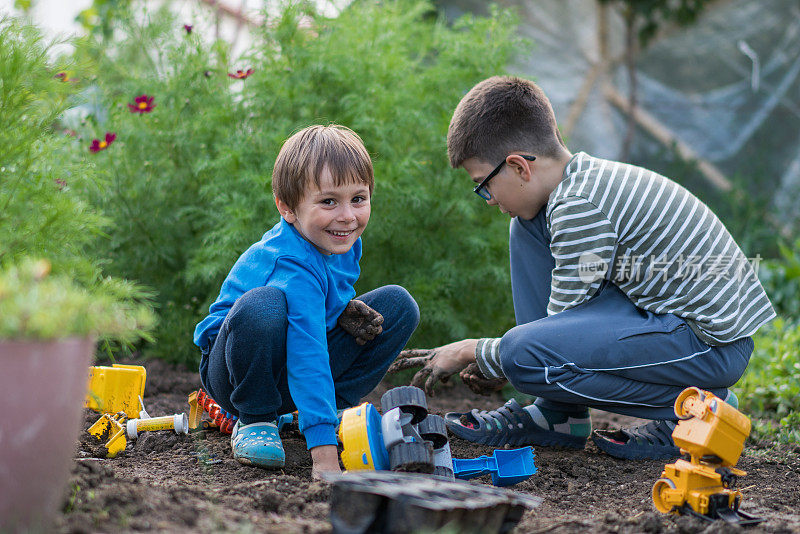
x=726, y=477
x=660, y=488
x=433, y=429
x=412, y=457
x=409, y=399
x=687, y=393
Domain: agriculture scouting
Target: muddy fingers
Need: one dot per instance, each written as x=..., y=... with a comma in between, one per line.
x=411, y=358
x=361, y=321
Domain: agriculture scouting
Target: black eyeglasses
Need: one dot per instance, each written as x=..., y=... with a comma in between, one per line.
x=481, y=190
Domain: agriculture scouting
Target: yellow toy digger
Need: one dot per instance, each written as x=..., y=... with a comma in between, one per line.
x=711, y=436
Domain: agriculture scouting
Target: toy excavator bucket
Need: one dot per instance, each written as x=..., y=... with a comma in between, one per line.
x=116, y=389
x=110, y=431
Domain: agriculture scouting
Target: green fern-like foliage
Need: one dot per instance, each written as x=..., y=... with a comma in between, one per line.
x=36, y=305
x=40, y=211
x=190, y=181
x=45, y=211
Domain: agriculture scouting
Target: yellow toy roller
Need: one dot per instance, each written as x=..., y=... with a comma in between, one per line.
x=711, y=436
x=405, y=438
x=360, y=433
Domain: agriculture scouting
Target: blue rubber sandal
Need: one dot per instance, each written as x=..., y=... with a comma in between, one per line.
x=509, y=425
x=649, y=441
x=258, y=444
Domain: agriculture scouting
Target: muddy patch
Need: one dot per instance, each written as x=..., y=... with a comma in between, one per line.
x=167, y=482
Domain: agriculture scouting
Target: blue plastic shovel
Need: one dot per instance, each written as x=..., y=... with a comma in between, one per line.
x=507, y=466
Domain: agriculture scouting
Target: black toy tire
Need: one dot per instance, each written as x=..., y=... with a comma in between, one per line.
x=433, y=429
x=409, y=399
x=412, y=457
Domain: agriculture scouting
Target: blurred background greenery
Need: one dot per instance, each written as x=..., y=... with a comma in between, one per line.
x=185, y=188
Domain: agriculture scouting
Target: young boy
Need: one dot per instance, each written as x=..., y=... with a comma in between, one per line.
x=284, y=333
x=626, y=287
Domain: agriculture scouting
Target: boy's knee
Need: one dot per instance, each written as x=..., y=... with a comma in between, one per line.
x=259, y=308
x=403, y=301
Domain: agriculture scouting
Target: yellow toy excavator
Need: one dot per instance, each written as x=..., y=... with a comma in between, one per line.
x=711, y=436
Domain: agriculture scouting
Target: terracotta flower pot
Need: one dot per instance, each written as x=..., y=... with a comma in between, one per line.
x=42, y=387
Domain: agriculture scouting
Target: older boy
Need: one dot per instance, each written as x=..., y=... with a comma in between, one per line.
x=626, y=287
x=284, y=332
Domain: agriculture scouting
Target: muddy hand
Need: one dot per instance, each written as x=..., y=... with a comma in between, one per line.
x=437, y=364
x=361, y=321
x=474, y=379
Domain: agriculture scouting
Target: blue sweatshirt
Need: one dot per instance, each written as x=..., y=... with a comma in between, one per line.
x=317, y=289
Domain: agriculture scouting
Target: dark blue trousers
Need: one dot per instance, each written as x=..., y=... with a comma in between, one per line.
x=245, y=369
x=604, y=353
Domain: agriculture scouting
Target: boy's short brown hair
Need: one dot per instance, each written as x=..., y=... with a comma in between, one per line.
x=305, y=154
x=502, y=115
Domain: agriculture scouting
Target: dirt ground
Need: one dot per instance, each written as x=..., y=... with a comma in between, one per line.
x=169, y=483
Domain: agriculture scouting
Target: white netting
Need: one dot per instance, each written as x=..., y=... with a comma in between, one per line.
x=727, y=87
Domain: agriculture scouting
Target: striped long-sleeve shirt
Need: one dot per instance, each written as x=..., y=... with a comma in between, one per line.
x=662, y=246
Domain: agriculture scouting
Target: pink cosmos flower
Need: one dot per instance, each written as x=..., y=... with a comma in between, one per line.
x=241, y=74
x=142, y=104
x=98, y=145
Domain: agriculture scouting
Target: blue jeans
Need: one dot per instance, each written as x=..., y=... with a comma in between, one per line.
x=606, y=352
x=245, y=369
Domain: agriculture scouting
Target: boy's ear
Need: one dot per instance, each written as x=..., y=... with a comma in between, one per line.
x=521, y=166
x=286, y=212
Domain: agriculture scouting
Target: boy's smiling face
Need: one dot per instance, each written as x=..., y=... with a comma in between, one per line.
x=330, y=217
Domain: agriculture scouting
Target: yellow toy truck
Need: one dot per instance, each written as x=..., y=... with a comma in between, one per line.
x=711, y=435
